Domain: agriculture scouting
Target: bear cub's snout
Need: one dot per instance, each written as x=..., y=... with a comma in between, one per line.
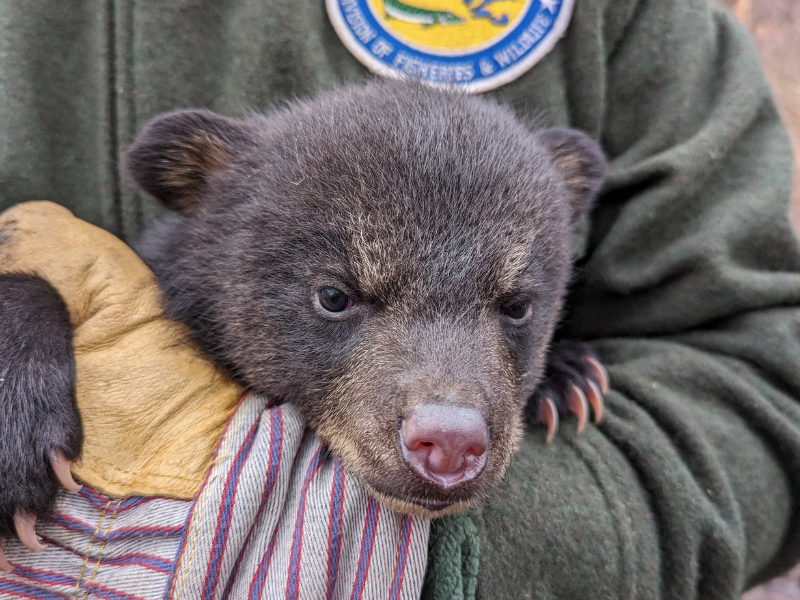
x=389, y=257
x=445, y=445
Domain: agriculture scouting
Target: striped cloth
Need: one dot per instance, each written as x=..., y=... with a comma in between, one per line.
x=277, y=517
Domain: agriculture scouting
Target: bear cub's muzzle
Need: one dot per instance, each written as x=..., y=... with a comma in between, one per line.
x=445, y=445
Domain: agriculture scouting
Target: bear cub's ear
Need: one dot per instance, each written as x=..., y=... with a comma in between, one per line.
x=175, y=153
x=581, y=160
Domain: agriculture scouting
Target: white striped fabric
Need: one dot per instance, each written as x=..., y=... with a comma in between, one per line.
x=277, y=518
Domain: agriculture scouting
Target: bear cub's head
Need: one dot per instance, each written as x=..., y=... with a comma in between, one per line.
x=389, y=257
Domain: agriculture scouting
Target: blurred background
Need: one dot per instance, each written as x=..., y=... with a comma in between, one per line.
x=775, y=27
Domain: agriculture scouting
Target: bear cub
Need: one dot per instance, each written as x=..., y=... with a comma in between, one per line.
x=389, y=257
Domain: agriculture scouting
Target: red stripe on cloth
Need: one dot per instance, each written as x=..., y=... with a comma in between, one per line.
x=367, y=543
x=293, y=576
x=147, y=561
x=335, y=527
x=42, y=576
x=53, y=577
x=23, y=590
x=190, y=515
x=99, y=501
x=71, y=523
x=260, y=577
x=225, y=512
x=400, y=559
x=273, y=470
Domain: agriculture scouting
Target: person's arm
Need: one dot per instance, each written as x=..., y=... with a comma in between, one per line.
x=689, y=290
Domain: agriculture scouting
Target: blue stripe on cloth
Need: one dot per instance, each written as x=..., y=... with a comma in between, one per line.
x=131, y=503
x=154, y=563
x=43, y=576
x=99, y=501
x=190, y=514
x=257, y=585
x=225, y=512
x=335, y=531
x=50, y=577
x=297, y=541
x=273, y=468
x=20, y=590
x=121, y=533
x=182, y=546
x=400, y=562
x=367, y=543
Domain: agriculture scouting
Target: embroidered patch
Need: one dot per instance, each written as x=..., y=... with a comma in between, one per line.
x=475, y=44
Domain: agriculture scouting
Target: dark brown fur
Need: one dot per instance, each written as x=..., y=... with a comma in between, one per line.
x=38, y=412
x=433, y=211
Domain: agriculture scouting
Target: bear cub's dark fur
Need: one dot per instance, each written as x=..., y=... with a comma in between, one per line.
x=38, y=412
x=389, y=257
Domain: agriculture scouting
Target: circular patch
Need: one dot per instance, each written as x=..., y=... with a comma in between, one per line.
x=474, y=44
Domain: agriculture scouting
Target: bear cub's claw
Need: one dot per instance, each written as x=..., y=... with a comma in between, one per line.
x=61, y=467
x=24, y=522
x=575, y=382
x=25, y=501
x=25, y=525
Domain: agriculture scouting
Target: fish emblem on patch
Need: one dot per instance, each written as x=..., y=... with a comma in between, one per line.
x=474, y=44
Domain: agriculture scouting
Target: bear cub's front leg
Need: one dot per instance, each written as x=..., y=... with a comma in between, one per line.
x=574, y=381
x=40, y=429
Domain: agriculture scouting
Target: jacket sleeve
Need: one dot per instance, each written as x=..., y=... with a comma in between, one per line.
x=689, y=291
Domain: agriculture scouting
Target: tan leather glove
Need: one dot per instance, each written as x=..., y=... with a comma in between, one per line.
x=152, y=406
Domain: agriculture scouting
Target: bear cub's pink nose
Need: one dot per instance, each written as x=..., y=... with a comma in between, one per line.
x=445, y=445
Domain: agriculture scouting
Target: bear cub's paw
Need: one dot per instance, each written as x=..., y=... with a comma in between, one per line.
x=575, y=382
x=40, y=429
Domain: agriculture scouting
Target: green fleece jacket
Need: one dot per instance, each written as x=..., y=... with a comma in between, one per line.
x=687, y=286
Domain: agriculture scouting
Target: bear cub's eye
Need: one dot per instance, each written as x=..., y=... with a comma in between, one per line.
x=334, y=300
x=517, y=311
